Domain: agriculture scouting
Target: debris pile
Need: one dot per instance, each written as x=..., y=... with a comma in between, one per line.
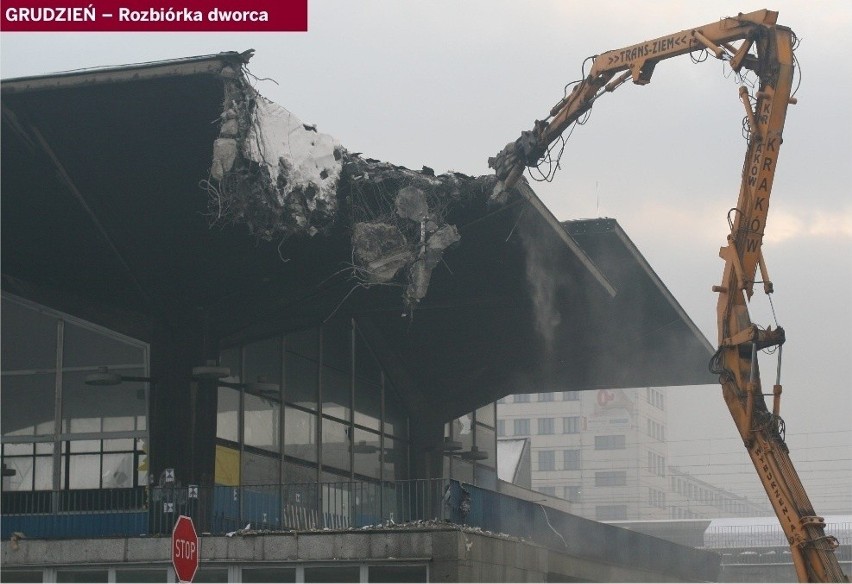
x=281, y=178
x=399, y=222
x=414, y=525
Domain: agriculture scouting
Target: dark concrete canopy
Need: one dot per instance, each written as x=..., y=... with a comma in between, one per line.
x=103, y=216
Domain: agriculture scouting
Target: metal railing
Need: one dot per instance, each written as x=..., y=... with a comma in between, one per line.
x=220, y=509
x=75, y=513
x=769, y=535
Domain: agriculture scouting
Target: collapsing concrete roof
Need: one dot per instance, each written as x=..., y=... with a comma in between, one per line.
x=505, y=298
x=282, y=178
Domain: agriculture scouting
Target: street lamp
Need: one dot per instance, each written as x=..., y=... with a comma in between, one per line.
x=213, y=372
x=449, y=446
x=474, y=454
x=210, y=372
x=104, y=377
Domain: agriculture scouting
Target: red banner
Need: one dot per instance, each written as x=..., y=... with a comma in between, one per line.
x=154, y=16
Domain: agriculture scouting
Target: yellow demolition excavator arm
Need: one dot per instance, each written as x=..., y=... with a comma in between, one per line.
x=753, y=42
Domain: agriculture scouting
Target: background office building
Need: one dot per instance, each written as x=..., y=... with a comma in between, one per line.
x=605, y=451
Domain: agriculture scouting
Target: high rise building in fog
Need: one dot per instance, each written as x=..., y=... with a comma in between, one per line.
x=605, y=451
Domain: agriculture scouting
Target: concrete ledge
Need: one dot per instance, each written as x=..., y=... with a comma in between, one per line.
x=454, y=554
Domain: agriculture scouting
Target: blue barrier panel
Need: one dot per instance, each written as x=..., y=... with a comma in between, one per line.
x=77, y=525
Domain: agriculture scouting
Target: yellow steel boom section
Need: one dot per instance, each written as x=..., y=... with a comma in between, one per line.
x=766, y=49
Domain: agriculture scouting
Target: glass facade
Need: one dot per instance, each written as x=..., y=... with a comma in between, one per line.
x=58, y=431
x=307, y=406
x=476, y=462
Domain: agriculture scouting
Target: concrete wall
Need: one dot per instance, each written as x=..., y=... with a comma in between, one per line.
x=452, y=554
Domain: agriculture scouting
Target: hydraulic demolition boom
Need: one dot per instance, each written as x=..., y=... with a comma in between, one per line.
x=766, y=49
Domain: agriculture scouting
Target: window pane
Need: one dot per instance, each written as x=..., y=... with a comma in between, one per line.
x=572, y=493
x=142, y=470
x=396, y=460
x=611, y=442
x=368, y=404
x=28, y=338
x=230, y=358
x=300, y=439
x=462, y=471
x=333, y=574
x=227, y=417
x=82, y=576
x=335, y=445
x=396, y=416
x=486, y=441
x=263, y=361
x=299, y=474
x=301, y=381
x=367, y=445
x=120, y=424
x=400, y=574
x=18, y=449
x=119, y=445
x=140, y=576
x=82, y=446
x=336, y=344
x=117, y=472
x=611, y=512
x=259, y=469
x=227, y=468
x=43, y=479
x=336, y=393
x=571, y=425
x=85, y=347
x=84, y=407
x=211, y=575
x=261, y=422
x=84, y=471
x=615, y=478
x=463, y=431
x=571, y=460
x=486, y=415
x=24, y=576
x=22, y=480
x=366, y=365
x=304, y=343
x=546, y=460
x=28, y=404
x=269, y=575
x=485, y=477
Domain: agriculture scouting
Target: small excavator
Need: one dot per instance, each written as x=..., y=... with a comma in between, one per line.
x=747, y=42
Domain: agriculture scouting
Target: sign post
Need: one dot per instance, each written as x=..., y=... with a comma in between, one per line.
x=185, y=549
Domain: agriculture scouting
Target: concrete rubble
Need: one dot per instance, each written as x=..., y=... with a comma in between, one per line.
x=282, y=178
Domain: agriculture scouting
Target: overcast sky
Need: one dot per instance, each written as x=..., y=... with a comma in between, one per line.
x=448, y=84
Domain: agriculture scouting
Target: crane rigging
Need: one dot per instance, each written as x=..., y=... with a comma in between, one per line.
x=766, y=49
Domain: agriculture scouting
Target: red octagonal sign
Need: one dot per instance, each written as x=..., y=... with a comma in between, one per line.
x=185, y=549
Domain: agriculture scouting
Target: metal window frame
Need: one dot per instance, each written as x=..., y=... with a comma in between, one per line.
x=58, y=436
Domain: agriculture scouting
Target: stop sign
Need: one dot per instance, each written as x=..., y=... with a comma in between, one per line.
x=185, y=549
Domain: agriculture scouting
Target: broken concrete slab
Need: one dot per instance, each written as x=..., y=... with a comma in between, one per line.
x=381, y=250
x=411, y=204
x=281, y=177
